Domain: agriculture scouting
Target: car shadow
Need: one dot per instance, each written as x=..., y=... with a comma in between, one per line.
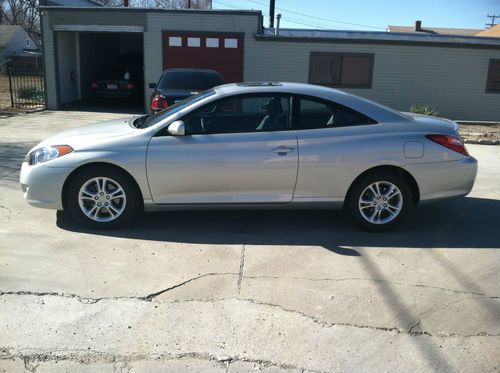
x=462, y=223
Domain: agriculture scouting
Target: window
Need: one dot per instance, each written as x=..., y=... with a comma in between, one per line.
x=212, y=42
x=493, y=83
x=27, y=42
x=230, y=43
x=193, y=42
x=175, y=41
x=341, y=70
x=255, y=113
x=319, y=114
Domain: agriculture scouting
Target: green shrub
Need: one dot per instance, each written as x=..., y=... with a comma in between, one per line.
x=424, y=109
x=31, y=93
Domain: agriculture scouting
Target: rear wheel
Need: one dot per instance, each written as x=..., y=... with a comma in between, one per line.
x=379, y=202
x=103, y=198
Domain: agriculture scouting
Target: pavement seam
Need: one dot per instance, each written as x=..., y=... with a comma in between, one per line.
x=242, y=264
x=87, y=357
x=397, y=330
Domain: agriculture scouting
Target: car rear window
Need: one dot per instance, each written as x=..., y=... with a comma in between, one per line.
x=189, y=81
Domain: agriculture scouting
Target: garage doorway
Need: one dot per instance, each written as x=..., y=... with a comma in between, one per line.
x=100, y=71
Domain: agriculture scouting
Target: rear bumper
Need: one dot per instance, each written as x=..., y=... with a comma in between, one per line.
x=444, y=180
x=113, y=94
x=42, y=185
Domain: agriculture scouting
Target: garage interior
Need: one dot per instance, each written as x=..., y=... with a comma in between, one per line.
x=83, y=56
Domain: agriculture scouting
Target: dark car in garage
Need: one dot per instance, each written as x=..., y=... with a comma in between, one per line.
x=122, y=79
x=176, y=85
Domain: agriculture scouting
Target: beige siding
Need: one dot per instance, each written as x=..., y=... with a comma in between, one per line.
x=450, y=79
x=50, y=65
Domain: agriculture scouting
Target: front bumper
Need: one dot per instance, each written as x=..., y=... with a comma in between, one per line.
x=42, y=186
x=444, y=180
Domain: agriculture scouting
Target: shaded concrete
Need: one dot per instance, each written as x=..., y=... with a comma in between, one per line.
x=240, y=291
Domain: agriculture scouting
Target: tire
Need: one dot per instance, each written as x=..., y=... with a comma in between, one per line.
x=379, y=202
x=103, y=198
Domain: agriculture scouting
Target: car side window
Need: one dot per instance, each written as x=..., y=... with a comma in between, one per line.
x=255, y=113
x=313, y=114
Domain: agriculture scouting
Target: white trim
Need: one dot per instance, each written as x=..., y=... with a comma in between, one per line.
x=98, y=28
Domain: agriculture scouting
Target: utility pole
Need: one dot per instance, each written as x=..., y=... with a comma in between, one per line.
x=493, y=16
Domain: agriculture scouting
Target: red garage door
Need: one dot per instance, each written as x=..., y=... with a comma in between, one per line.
x=222, y=52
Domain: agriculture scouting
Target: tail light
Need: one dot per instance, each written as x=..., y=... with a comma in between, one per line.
x=130, y=86
x=450, y=142
x=95, y=85
x=158, y=102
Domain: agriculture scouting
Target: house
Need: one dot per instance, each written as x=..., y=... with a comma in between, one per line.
x=434, y=30
x=13, y=41
x=457, y=75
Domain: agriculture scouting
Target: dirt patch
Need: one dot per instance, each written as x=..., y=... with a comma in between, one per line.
x=480, y=134
x=4, y=92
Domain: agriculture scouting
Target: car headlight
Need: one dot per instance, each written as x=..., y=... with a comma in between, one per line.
x=47, y=153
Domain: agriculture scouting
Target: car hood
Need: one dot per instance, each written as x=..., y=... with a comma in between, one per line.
x=89, y=134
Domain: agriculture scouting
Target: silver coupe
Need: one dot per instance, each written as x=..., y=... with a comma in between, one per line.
x=253, y=145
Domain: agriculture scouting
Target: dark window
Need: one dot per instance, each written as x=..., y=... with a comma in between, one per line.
x=493, y=84
x=194, y=80
x=320, y=114
x=341, y=70
x=256, y=113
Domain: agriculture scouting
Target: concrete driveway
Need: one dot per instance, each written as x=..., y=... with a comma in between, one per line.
x=242, y=291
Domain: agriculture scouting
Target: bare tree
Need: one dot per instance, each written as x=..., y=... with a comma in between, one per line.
x=23, y=13
x=166, y=4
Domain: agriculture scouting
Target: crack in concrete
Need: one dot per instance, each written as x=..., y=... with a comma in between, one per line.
x=9, y=213
x=32, y=359
x=375, y=280
x=242, y=264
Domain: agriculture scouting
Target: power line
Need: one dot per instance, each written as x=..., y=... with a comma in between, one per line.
x=493, y=16
x=318, y=18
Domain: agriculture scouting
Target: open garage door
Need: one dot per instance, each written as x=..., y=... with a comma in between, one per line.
x=222, y=52
x=101, y=71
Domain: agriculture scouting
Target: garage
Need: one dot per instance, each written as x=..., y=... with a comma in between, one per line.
x=222, y=52
x=100, y=71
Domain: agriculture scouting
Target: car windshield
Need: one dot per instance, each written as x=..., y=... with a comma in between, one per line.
x=151, y=119
x=190, y=80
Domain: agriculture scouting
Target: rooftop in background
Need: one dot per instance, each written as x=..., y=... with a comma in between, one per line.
x=376, y=37
x=435, y=30
x=6, y=33
x=417, y=28
x=491, y=32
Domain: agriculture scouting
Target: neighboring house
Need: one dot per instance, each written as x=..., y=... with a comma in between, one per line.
x=493, y=32
x=434, y=30
x=13, y=41
x=79, y=3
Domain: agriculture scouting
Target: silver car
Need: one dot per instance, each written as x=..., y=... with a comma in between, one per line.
x=248, y=145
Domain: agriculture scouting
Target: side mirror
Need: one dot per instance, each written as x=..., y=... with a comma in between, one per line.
x=152, y=85
x=177, y=128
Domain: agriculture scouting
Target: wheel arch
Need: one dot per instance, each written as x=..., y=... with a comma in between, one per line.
x=415, y=190
x=87, y=166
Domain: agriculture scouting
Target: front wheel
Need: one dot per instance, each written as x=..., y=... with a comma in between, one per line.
x=102, y=198
x=379, y=202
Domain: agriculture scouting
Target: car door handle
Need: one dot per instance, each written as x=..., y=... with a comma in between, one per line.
x=283, y=150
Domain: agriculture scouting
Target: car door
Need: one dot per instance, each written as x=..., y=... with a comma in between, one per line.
x=335, y=144
x=237, y=150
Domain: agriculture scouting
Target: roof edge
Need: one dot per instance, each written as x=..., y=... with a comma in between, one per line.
x=152, y=10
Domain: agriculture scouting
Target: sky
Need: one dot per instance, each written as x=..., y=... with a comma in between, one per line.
x=372, y=15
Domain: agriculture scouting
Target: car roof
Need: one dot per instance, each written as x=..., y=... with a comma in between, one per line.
x=376, y=111
x=190, y=70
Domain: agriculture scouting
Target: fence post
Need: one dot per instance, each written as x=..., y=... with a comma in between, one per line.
x=10, y=87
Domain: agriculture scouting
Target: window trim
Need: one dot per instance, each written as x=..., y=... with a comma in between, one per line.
x=490, y=63
x=296, y=112
x=245, y=95
x=371, y=57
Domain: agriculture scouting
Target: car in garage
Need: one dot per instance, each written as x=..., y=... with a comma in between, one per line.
x=178, y=84
x=253, y=145
x=122, y=79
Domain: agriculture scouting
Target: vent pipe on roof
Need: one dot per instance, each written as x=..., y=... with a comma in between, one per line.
x=271, y=13
x=277, y=29
x=418, y=25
